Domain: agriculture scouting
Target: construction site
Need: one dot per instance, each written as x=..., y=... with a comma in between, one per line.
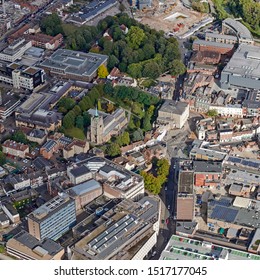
x=170, y=16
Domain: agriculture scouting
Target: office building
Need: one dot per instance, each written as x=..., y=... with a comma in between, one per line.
x=53, y=219
x=91, y=10
x=26, y=247
x=85, y=192
x=15, y=50
x=234, y=27
x=213, y=46
x=126, y=231
x=39, y=119
x=74, y=65
x=243, y=69
x=175, y=112
x=183, y=248
x=8, y=103
x=10, y=212
x=74, y=148
x=224, y=213
x=117, y=182
x=221, y=38
x=21, y=76
x=185, y=196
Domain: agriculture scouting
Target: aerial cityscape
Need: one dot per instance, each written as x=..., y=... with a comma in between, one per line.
x=130, y=130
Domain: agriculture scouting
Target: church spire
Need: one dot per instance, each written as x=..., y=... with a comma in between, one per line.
x=96, y=113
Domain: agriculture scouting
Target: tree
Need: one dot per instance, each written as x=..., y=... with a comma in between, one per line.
x=77, y=110
x=108, y=89
x=150, y=110
x=151, y=183
x=102, y=71
x=88, y=102
x=177, y=67
x=107, y=47
x=163, y=167
x=147, y=122
x=151, y=70
x=137, y=109
x=2, y=158
x=80, y=122
x=66, y=103
x=135, y=70
x=86, y=119
x=135, y=37
x=110, y=107
x=19, y=137
x=83, y=105
x=113, y=150
x=138, y=135
x=123, y=139
x=112, y=62
x=212, y=113
x=51, y=25
x=148, y=51
x=99, y=106
x=68, y=120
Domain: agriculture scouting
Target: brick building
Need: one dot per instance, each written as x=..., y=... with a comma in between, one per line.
x=202, y=45
x=15, y=149
x=207, y=174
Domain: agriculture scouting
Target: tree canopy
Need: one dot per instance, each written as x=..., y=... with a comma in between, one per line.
x=102, y=71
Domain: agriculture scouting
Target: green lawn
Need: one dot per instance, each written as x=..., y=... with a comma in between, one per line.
x=75, y=133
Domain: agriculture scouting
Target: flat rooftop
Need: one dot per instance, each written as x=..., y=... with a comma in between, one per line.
x=223, y=210
x=245, y=62
x=247, y=163
x=119, y=228
x=174, y=107
x=85, y=187
x=185, y=184
x=50, y=207
x=207, y=167
x=182, y=248
x=74, y=62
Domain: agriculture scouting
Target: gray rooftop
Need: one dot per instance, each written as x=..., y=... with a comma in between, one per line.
x=138, y=217
x=245, y=62
x=207, y=167
x=185, y=184
x=220, y=36
x=31, y=242
x=183, y=248
x=37, y=133
x=223, y=210
x=174, y=107
x=213, y=44
x=86, y=187
x=73, y=62
x=79, y=171
x=239, y=28
x=50, y=207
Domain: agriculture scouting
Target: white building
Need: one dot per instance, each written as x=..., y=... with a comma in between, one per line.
x=15, y=50
x=230, y=110
x=173, y=111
